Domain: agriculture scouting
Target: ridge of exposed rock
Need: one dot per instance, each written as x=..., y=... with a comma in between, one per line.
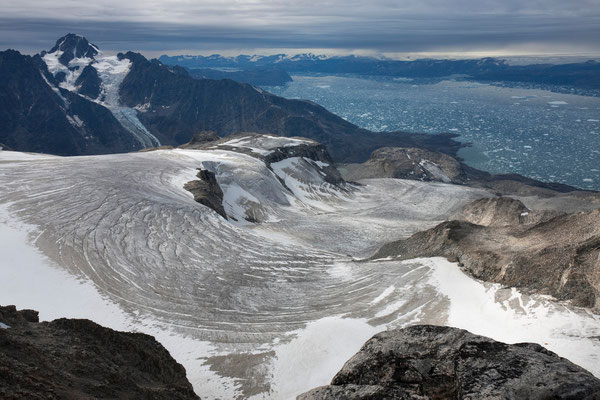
x=495, y=211
x=427, y=165
x=89, y=82
x=559, y=256
x=406, y=163
x=270, y=149
x=200, y=139
x=77, y=358
x=435, y=362
x=311, y=150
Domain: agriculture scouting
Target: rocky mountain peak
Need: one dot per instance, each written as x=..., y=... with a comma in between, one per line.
x=74, y=46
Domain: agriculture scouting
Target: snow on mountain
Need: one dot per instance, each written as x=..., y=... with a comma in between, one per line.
x=71, y=71
x=267, y=309
x=110, y=70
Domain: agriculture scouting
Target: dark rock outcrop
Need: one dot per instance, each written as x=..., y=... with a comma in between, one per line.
x=89, y=82
x=78, y=359
x=434, y=362
x=207, y=191
x=269, y=149
x=313, y=151
x=559, y=256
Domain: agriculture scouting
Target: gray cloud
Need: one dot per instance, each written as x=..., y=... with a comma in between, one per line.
x=154, y=26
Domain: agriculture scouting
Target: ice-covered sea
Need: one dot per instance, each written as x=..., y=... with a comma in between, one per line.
x=537, y=133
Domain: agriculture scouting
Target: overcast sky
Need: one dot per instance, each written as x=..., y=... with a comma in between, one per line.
x=389, y=27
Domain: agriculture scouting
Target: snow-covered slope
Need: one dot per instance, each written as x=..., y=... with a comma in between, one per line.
x=268, y=309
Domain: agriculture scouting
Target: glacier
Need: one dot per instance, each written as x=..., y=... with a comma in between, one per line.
x=264, y=309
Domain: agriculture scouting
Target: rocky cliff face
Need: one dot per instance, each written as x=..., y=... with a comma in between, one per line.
x=498, y=240
x=77, y=359
x=433, y=362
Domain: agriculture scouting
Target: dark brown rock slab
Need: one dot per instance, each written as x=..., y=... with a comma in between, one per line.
x=79, y=359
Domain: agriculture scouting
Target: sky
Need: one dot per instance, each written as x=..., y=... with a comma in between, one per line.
x=391, y=28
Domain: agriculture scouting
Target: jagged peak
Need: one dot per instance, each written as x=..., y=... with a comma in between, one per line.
x=74, y=46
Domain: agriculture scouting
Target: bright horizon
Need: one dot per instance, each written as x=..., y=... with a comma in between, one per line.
x=393, y=29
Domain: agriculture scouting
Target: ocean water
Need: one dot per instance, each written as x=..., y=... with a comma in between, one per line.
x=537, y=133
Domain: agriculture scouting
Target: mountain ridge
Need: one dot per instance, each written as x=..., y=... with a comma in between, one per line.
x=582, y=75
x=153, y=104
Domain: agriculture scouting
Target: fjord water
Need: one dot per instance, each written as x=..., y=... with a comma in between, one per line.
x=536, y=133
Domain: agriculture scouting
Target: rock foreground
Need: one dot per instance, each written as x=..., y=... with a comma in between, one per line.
x=434, y=362
x=76, y=359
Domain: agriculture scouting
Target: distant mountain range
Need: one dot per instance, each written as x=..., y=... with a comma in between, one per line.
x=585, y=75
x=73, y=100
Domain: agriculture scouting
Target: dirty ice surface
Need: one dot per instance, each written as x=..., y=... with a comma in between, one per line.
x=265, y=309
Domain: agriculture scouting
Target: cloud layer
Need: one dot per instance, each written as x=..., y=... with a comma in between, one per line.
x=385, y=26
